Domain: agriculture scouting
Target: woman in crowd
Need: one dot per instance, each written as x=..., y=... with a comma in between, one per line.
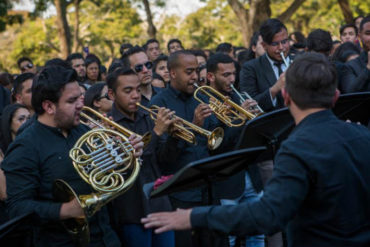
x=160, y=68
x=97, y=98
x=92, y=71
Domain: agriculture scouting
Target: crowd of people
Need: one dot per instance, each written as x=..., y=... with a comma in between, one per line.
x=315, y=192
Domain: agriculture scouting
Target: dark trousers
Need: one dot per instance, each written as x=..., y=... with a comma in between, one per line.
x=196, y=237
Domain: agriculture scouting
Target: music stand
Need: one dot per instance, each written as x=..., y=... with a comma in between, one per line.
x=353, y=106
x=206, y=171
x=268, y=130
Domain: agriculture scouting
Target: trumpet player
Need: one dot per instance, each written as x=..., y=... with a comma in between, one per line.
x=125, y=89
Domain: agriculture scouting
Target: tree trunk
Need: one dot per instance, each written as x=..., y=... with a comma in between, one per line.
x=346, y=10
x=285, y=16
x=152, y=31
x=63, y=28
x=76, y=39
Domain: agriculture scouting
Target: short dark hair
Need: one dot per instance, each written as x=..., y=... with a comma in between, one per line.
x=300, y=38
x=341, y=29
x=269, y=28
x=48, y=85
x=57, y=62
x=159, y=59
x=311, y=81
x=320, y=41
x=173, y=59
x=112, y=78
x=173, y=41
x=117, y=63
x=93, y=93
x=124, y=47
x=214, y=60
x=18, y=82
x=363, y=22
x=22, y=59
x=224, y=47
x=91, y=60
x=344, y=51
x=126, y=56
x=199, y=53
x=6, y=79
x=74, y=56
x=148, y=42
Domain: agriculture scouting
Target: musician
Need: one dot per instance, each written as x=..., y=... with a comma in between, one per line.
x=129, y=208
x=356, y=73
x=40, y=155
x=317, y=190
x=178, y=96
x=262, y=77
x=137, y=59
x=239, y=188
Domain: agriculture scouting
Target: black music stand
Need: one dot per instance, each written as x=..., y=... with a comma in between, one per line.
x=354, y=106
x=18, y=230
x=268, y=130
x=206, y=171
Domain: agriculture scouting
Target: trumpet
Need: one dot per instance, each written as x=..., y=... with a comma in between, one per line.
x=87, y=112
x=284, y=60
x=242, y=99
x=227, y=111
x=182, y=129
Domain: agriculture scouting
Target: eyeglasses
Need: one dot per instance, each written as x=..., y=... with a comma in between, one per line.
x=27, y=66
x=283, y=42
x=105, y=96
x=139, y=67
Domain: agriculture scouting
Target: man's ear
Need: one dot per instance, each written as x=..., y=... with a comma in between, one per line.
x=97, y=104
x=111, y=94
x=336, y=96
x=172, y=73
x=211, y=77
x=18, y=98
x=49, y=107
x=286, y=96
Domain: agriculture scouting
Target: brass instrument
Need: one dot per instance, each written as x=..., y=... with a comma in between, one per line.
x=104, y=158
x=183, y=129
x=284, y=60
x=227, y=111
x=242, y=99
x=85, y=113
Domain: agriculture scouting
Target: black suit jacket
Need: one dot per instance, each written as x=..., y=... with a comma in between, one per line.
x=256, y=78
x=355, y=77
x=319, y=189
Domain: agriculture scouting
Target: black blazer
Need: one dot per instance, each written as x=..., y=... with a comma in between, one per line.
x=355, y=76
x=256, y=78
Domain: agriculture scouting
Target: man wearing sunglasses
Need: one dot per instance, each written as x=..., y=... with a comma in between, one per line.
x=26, y=66
x=263, y=77
x=137, y=60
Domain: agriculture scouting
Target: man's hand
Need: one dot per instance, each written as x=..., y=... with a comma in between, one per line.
x=276, y=88
x=163, y=222
x=137, y=144
x=71, y=209
x=164, y=120
x=250, y=106
x=201, y=112
x=368, y=60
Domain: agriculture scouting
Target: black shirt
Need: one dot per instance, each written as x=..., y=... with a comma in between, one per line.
x=319, y=189
x=133, y=205
x=36, y=158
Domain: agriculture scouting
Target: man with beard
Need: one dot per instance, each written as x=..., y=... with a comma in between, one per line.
x=32, y=164
x=137, y=60
x=77, y=62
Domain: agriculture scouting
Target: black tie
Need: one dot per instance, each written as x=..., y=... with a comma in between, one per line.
x=278, y=65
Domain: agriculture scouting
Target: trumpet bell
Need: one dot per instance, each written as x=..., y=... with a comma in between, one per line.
x=215, y=138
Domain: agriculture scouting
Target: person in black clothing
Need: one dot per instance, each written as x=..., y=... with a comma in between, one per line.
x=262, y=77
x=32, y=165
x=356, y=73
x=124, y=88
x=318, y=190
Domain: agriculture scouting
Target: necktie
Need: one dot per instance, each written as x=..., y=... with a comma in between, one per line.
x=278, y=65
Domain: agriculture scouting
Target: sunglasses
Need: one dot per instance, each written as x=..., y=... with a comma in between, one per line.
x=283, y=42
x=27, y=66
x=139, y=67
x=104, y=96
